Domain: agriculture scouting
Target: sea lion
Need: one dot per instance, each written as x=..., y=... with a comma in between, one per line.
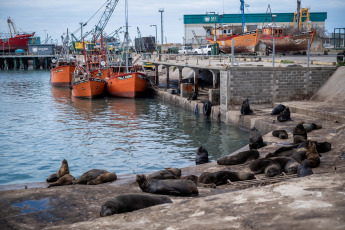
x=289, y=165
x=323, y=147
x=304, y=169
x=285, y=115
x=103, y=178
x=193, y=178
x=131, y=202
x=245, y=109
x=311, y=126
x=239, y=158
x=259, y=165
x=312, y=155
x=255, y=140
x=167, y=187
x=201, y=156
x=282, y=134
x=89, y=176
x=64, y=169
x=273, y=169
x=222, y=177
x=167, y=173
x=299, y=134
x=277, y=110
x=64, y=180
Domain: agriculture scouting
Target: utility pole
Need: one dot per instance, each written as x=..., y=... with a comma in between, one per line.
x=298, y=14
x=156, y=32
x=161, y=10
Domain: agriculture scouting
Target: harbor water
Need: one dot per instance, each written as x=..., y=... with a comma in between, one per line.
x=42, y=125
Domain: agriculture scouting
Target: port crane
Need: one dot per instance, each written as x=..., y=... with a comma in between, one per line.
x=109, y=9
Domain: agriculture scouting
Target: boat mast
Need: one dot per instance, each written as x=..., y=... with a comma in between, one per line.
x=126, y=34
x=242, y=11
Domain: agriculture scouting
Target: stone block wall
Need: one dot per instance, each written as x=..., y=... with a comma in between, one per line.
x=269, y=84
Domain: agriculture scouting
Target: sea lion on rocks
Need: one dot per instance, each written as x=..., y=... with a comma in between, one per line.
x=167, y=173
x=64, y=169
x=285, y=115
x=64, y=180
x=239, y=158
x=277, y=110
x=103, y=178
x=222, y=177
x=311, y=126
x=131, y=202
x=167, y=187
x=312, y=155
x=255, y=140
x=245, y=109
x=282, y=134
x=299, y=134
x=304, y=169
x=201, y=156
x=89, y=176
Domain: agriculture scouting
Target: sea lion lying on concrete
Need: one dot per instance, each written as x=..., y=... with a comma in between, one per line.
x=255, y=140
x=245, y=109
x=167, y=173
x=289, y=165
x=294, y=152
x=201, y=156
x=312, y=155
x=321, y=147
x=222, y=177
x=274, y=166
x=285, y=115
x=103, y=178
x=299, y=134
x=167, y=187
x=282, y=134
x=64, y=169
x=304, y=169
x=239, y=158
x=64, y=180
x=273, y=169
x=131, y=202
x=278, y=110
x=311, y=126
x=89, y=176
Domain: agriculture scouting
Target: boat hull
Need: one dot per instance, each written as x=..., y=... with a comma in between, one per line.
x=61, y=75
x=17, y=42
x=243, y=43
x=88, y=88
x=129, y=85
x=296, y=43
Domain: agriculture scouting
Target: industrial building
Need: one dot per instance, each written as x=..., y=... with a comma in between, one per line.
x=198, y=26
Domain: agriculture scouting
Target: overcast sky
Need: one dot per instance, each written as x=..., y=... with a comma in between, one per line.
x=53, y=17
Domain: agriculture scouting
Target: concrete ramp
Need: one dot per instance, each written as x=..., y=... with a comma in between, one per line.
x=333, y=91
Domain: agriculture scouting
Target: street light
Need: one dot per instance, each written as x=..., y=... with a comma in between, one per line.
x=215, y=25
x=156, y=34
x=161, y=10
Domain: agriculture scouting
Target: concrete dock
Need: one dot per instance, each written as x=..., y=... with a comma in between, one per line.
x=284, y=202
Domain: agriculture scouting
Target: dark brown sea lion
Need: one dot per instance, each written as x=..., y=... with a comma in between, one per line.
x=299, y=134
x=259, y=165
x=311, y=126
x=304, y=169
x=312, y=155
x=103, y=178
x=64, y=180
x=255, y=140
x=273, y=170
x=239, y=158
x=167, y=187
x=289, y=165
x=131, y=202
x=285, y=115
x=89, y=176
x=245, y=109
x=167, y=173
x=201, y=156
x=323, y=147
x=277, y=110
x=193, y=178
x=64, y=169
x=222, y=177
x=282, y=134
x=293, y=152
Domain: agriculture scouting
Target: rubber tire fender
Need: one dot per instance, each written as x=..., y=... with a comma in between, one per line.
x=207, y=108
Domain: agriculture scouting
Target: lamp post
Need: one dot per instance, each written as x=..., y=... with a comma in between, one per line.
x=161, y=10
x=215, y=25
x=156, y=34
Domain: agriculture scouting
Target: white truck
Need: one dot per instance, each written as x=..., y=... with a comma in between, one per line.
x=204, y=49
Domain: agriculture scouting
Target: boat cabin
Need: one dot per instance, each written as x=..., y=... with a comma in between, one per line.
x=273, y=31
x=222, y=31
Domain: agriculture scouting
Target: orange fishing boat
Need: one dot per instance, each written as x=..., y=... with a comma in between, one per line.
x=61, y=74
x=130, y=85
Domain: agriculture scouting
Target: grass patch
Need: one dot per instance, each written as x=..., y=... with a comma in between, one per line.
x=286, y=61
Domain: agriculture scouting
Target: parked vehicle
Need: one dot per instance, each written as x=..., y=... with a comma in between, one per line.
x=186, y=50
x=204, y=49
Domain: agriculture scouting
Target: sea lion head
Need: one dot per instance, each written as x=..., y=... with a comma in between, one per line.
x=108, y=209
x=64, y=161
x=140, y=178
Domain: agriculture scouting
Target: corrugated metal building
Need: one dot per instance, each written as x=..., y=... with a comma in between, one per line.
x=200, y=24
